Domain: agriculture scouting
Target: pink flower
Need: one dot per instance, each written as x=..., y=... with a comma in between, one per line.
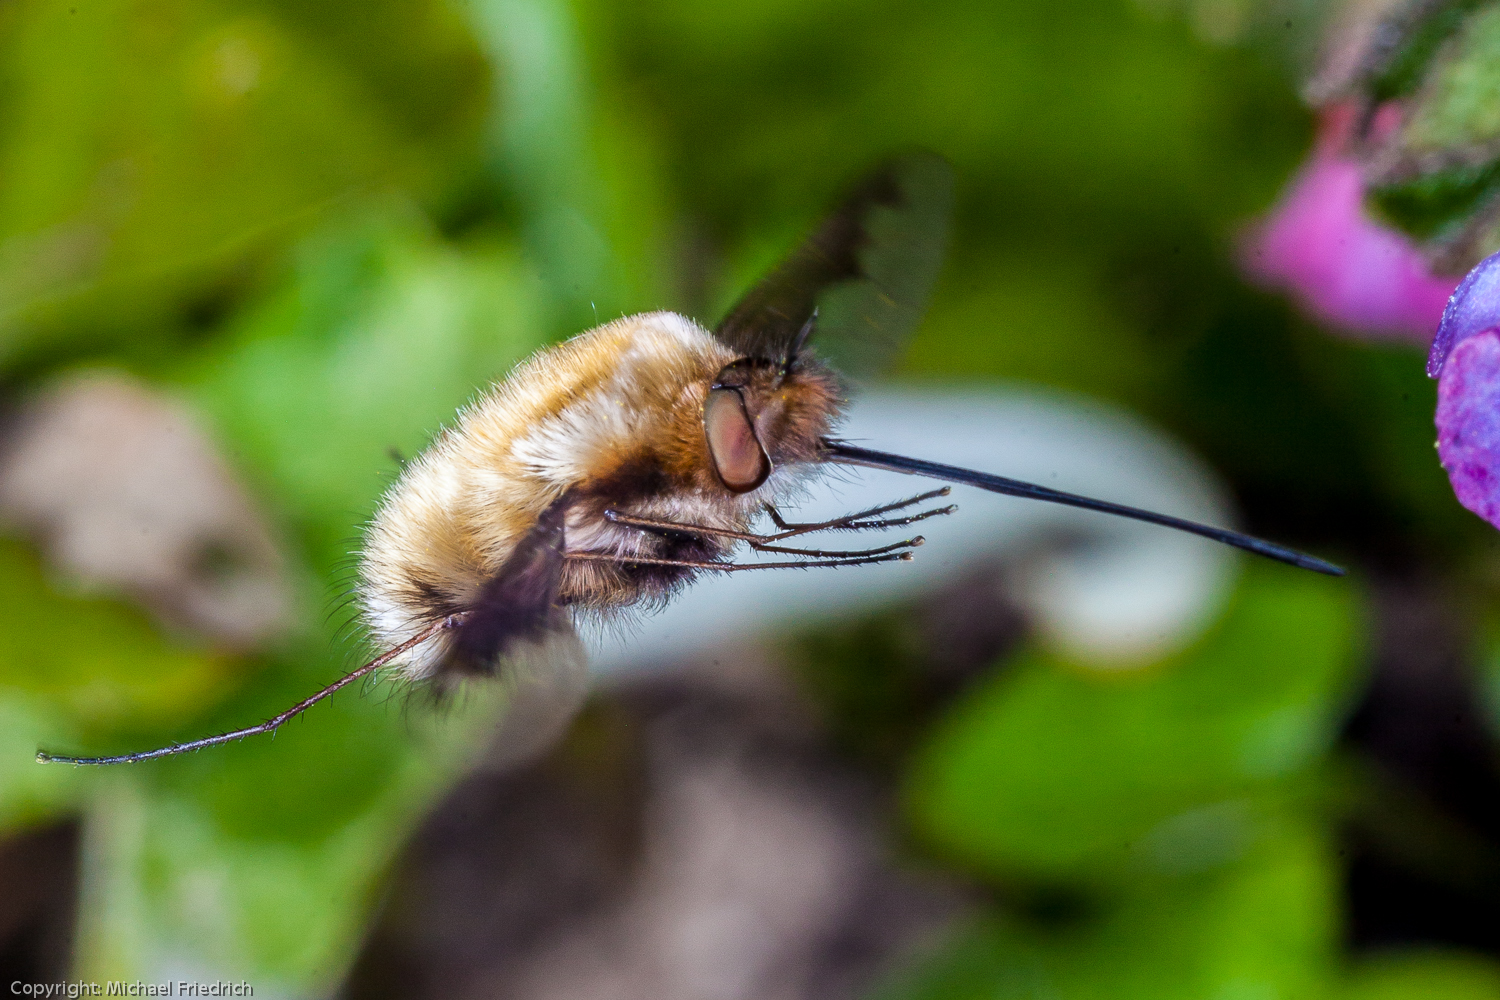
x=1468, y=422
x=1344, y=268
x=1465, y=360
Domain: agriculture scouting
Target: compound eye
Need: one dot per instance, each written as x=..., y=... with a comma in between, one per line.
x=739, y=460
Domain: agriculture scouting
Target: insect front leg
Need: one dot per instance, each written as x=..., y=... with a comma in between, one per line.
x=861, y=521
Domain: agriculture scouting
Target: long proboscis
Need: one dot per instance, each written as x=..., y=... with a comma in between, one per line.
x=848, y=454
x=270, y=725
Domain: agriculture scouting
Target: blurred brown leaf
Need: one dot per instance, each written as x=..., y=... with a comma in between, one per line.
x=127, y=495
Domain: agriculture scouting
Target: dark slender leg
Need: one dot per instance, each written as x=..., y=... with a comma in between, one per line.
x=611, y=557
x=270, y=725
x=884, y=522
x=677, y=527
x=857, y=521
x=909, y=543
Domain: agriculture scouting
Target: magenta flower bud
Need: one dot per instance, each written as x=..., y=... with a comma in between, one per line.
x=1340, y=265
x=1468, y=415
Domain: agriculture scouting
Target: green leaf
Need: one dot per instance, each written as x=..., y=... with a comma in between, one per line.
x=1263, y=928
x=1437, y=205
x=1059, y=772
x=215, y=873
x=1422, y=975
x=1458, y=109
x=575, y=164
x=146, y=148
x=100, y=664
x=1415, y=42
x=31, y=793
x=382, y=334
x=1439, y=172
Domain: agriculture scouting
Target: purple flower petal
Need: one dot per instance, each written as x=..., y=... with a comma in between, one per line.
x=1468, y=422
x=1343, y=267
x=1474, y=308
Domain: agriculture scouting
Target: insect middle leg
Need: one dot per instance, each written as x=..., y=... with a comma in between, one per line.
x=675, y=527
x=901, y=546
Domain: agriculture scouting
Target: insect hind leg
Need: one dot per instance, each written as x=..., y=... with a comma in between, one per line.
x=726, y=567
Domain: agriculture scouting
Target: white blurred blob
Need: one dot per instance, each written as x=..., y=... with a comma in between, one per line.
x=546, y=686
x=1106, y=591
x=126, y=495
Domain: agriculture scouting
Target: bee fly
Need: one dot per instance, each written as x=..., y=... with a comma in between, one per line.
x=608, y=471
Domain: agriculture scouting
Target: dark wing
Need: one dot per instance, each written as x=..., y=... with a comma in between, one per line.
x=519, y=603
x=867, y=270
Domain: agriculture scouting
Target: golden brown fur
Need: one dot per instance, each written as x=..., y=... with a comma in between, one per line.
x=613, y=418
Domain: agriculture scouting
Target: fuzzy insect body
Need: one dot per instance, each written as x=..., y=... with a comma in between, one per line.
x=606, y=472
x=608, y=423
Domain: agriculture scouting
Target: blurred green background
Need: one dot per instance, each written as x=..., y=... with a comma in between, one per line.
x=321, y=228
